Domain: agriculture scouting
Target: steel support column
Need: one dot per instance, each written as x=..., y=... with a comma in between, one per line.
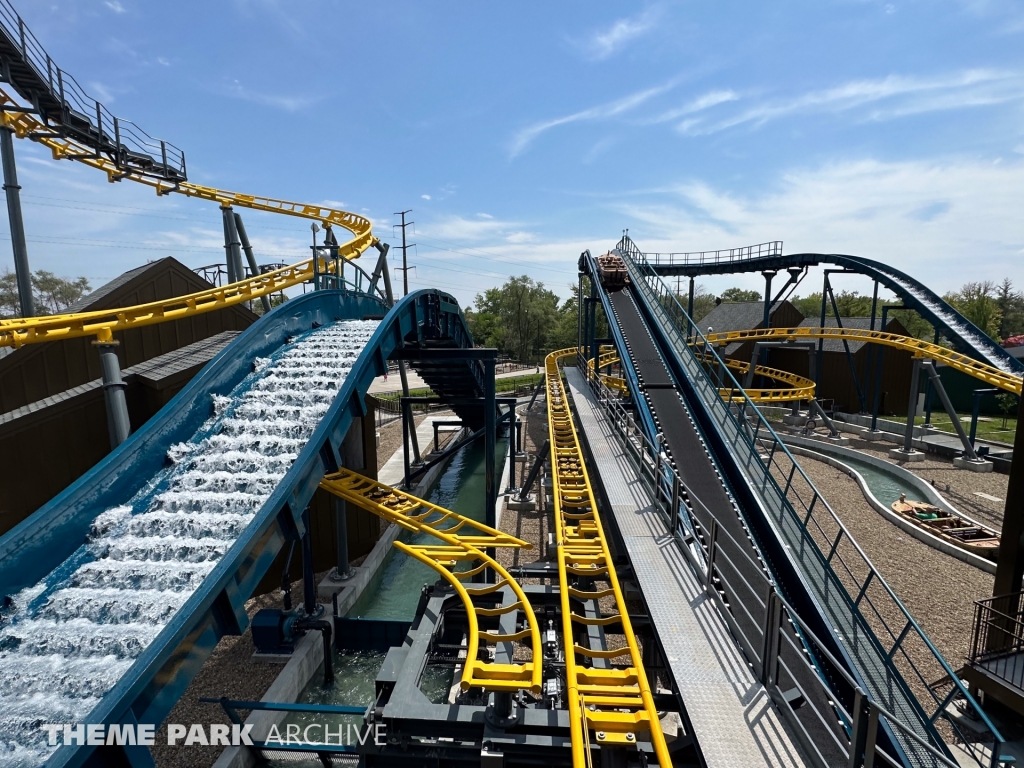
x=933, y=376
x=976, y=409
x=915, y=381
x=118, y=424
x=490, y=435
x=689, y=310
x=1010, y=565
x=766, y=322
x=22, y=273
x=342, y=569
x=254, y=269
x=232, y=246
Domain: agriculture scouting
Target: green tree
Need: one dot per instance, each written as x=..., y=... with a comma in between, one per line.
x=979, y=303
x=739, y=294
x=50, y=294
x=1011, y=307
x=850, y=303
x=276, y=300
x=517, y=318
x=1007, y=402
x=703, y=302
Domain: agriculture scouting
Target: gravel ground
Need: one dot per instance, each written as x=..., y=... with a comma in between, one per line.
x=531, y=526
x=962, y=483
x=937, y=589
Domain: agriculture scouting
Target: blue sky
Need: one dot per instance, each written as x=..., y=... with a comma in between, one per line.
x=521, y=133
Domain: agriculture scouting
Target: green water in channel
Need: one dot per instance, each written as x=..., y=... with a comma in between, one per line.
x=394, y=593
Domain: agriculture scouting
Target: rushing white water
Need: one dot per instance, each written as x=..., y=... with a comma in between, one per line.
x=69, y=638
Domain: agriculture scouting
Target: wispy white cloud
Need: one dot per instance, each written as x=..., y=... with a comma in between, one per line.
x=114, y=5
x=425, y=197
x=599, y=148
x=699, y=104
x=461, y=229
x=610, y=40
x=880, y=99
x=610, y=109
x=286, y=103
x=101, y=92
x=929, y=218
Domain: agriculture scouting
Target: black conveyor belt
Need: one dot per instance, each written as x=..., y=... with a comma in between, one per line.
x=695, y=468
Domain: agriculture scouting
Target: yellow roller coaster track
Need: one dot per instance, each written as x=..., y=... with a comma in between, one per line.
x=961, y=362
x=19, y=331
x=616, y=702
x=462, y=541
x=802, y=388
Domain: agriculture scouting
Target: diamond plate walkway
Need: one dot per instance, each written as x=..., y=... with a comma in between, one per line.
x=734, y=722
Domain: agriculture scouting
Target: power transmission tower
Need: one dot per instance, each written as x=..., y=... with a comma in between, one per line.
x=405, y=248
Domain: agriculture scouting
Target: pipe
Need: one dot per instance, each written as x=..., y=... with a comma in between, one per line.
x=308, y=587
x=286, y=580
x=324, y=628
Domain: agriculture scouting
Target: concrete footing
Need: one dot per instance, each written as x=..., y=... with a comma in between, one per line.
x=875, y=437
x=838, y=440
x=972, y=465
x=526, y=505
x=797, y=421
x=898, y=454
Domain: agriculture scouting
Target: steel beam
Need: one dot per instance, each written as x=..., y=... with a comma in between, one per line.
x=12, y=189
x=250, y=256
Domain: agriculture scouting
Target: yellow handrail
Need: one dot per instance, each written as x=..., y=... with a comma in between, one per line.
x=18, y=331
x=616, y=703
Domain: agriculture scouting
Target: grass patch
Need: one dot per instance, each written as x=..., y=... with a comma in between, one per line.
x=989, y=427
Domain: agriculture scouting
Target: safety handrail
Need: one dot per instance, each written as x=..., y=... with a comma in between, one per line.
x=759, y=251
x=83, y=115
x=87, y=133
x=776, y=465
x=979, y=370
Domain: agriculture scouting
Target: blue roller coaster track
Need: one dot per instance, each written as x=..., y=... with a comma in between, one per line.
x=957, y=329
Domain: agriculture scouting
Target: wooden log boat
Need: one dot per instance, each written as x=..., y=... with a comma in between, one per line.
x=961, y=533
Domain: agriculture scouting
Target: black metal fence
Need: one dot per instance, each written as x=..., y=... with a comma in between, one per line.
x=998, y=642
